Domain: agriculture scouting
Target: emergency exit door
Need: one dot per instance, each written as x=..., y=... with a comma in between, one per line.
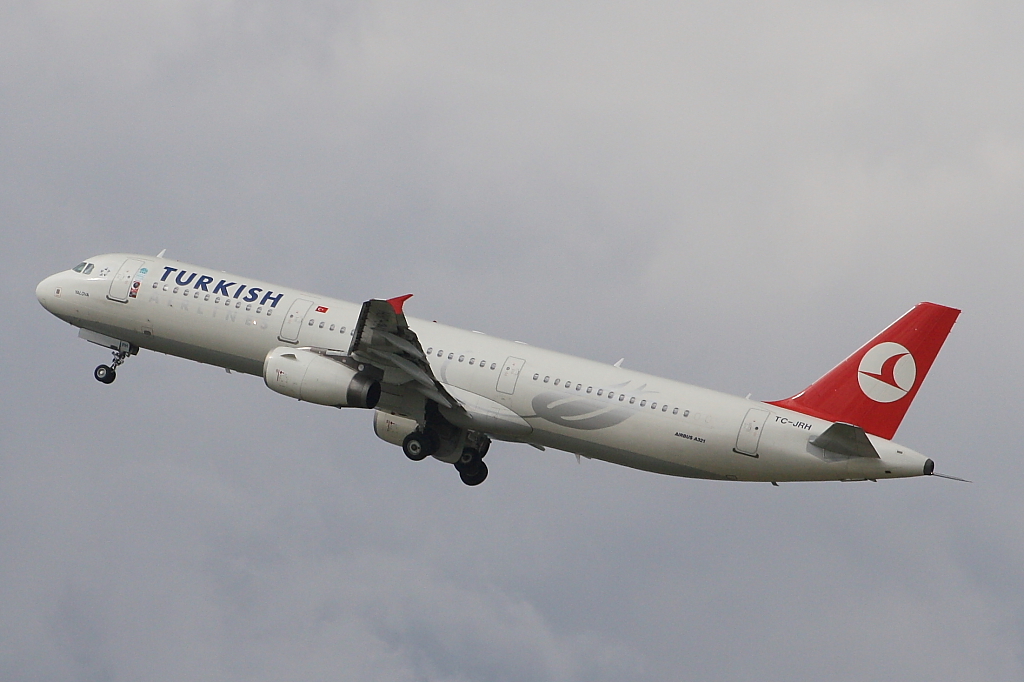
x=510, y=375
x=293, y=320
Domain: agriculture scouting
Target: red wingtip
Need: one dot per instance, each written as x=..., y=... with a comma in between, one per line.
x=398, y=301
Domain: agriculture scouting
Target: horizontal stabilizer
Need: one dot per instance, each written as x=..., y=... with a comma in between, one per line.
x=845, y=439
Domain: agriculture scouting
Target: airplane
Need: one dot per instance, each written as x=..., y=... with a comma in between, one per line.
x=444, y=392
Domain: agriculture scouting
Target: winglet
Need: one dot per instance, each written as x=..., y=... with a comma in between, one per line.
x=398, y=301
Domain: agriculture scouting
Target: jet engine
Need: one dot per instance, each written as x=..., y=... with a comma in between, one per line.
x=392, y=428
x=316, y=378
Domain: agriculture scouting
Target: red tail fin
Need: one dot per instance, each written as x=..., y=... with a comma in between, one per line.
x=874, y=387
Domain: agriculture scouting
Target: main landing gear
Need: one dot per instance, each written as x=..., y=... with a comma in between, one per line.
x=471, y=467
x=106, y=374
x=419, y=445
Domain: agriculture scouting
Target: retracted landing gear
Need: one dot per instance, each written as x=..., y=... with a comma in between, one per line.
x=106, y=374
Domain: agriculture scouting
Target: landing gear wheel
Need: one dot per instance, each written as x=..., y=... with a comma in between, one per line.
x=468, y=461
x=475, y=476
x=105, y=374
x=418, y=446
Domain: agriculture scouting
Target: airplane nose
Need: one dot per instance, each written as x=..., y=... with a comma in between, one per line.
x=47, y=291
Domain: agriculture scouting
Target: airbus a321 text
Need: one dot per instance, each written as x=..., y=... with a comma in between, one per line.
x=444, y=392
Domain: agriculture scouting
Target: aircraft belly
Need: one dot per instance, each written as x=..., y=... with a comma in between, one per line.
x=621, y=456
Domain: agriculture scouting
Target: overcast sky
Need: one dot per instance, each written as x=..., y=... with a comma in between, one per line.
x=732, y=194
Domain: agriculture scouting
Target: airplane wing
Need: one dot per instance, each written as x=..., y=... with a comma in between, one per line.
x=382, y=338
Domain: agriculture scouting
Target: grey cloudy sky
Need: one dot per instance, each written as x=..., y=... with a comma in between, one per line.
x=733, y=194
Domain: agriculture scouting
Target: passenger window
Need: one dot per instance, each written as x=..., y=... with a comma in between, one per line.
x=654, y=406
x=429, y=350
x=622, y=396
x=610, y=395
x=440, y=353
x=196, y=295
x=175, y=290
x=472, y=360
x=156, y=284
x=643, y=403
x=579, y=386
x=81, y=266
x=88, y=269
x=342, y=330
x=331, y=328
x=270, y=311
x=557, y=381
x=321, y=325
x=206, y=298
x=239, y=305
x=451, y=356
x=536, y=376
x=493, y=365
x=600, y=391
x=632, y=399
x=258, y=310
x=311, y=323
x=188, y=291
x=461, y=358
x=664, y=408
x=547, y=378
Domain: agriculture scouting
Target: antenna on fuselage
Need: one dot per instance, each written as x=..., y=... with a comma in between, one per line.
x=161, y=254
x=619, y=363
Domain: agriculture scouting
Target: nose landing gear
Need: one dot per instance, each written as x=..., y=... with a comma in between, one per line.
x=106, y=374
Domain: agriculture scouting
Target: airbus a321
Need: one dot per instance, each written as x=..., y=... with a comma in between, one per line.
x=442, y=392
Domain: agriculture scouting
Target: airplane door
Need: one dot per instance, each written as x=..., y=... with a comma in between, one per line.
x=293, y=320
x=122, y=282
x=510, y=375
x=750, y=432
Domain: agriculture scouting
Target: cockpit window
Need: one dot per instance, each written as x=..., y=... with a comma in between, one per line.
x=88, y=269
x=80, y=267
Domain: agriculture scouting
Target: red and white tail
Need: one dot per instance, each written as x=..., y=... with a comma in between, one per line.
x=874, y=387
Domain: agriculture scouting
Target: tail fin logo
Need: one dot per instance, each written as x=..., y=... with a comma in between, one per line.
x=887, y=372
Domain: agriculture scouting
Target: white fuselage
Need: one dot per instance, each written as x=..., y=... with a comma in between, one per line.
x=568, y=403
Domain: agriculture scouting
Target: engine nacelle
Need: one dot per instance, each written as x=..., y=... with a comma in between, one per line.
x=318, y=379
x=392, y=428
